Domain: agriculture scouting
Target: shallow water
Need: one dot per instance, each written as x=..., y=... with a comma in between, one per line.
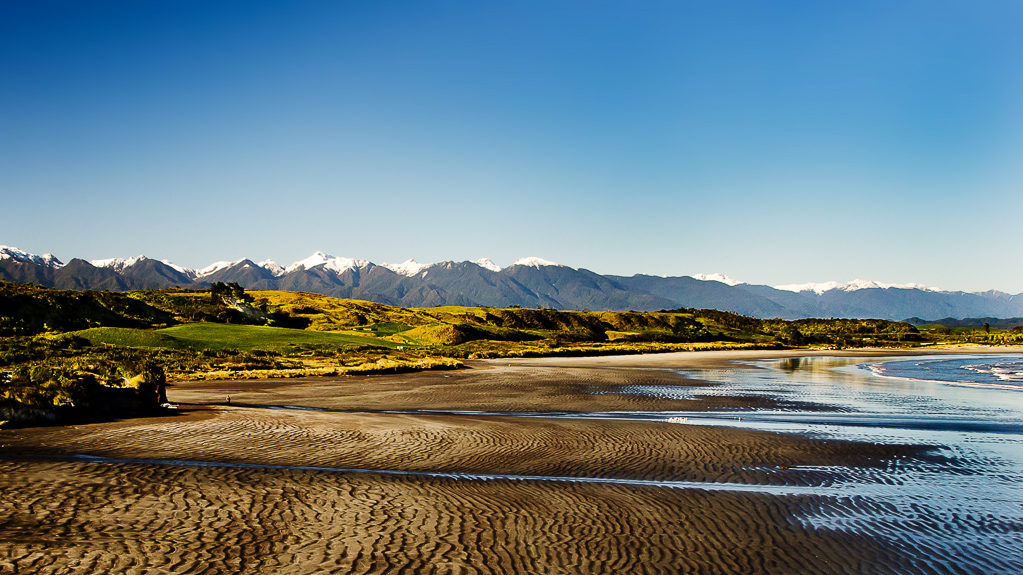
x=985, y=371
x=962, y=512
x=700, y=485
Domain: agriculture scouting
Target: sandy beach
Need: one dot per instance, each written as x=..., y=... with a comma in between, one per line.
x=505, y=467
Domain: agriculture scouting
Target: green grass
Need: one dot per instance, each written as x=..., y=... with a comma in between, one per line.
x=128, y=337
x=384, y=329
x=249, y=337
x=216, y=336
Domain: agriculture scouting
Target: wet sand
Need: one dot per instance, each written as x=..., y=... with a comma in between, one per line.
x=369, y=482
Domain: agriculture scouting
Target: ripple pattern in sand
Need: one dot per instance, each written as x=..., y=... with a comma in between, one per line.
x=131, y=518
x=482, y=445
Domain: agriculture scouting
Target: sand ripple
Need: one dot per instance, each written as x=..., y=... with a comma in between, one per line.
x=133, y=518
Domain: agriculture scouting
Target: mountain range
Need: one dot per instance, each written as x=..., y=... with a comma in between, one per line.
x=529, y=282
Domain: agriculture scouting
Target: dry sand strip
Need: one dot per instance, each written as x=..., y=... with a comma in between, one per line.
x=79, y=517
x=532, y=384
x=486, y=386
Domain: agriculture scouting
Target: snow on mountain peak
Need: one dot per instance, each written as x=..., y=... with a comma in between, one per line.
x=488, y=264
x=534, y=262
x=409, y=267
x=817, y=288
x=318, y=258
x=332, y=263
x=339, y=265
x=272, y=267
x=215, y=267
x=857, y=284
x=13, y=253
x=118, y=264
x=717, y=277
x=180, y=269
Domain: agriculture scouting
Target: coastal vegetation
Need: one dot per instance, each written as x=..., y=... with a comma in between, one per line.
x=64, y=353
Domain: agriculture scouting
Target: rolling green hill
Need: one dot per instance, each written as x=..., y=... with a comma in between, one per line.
x=213, y=336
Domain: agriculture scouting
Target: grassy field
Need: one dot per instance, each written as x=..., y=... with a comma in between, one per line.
x=127, y=337
x=325, y=313
x=383, y=329
x=213, y=336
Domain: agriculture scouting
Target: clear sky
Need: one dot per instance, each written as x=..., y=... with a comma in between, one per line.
x=776, y=142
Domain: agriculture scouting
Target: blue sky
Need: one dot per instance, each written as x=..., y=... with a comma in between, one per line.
x=777, y=142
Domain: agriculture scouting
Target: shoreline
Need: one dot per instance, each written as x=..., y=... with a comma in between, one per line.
x=724, y=358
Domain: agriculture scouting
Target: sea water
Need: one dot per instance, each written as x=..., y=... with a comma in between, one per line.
x=999, y=371
x=960, y=511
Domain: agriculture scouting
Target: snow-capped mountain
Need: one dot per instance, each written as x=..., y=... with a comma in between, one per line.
x=529, y=282
x=117, y=264
x=486, y=263
x=716, y=277
x=14, y=254
x=216, y=267
x=272, y=267
x=409, y=267
x=820, y=288
x=181, y=269
x=534, y=262
x=332, y=263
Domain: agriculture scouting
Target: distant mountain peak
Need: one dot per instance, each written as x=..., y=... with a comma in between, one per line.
x=180, y=269
x=717, y=277
x=272, y=267
x=118, y=264
x=535, y=262
x=488, y=264
x=216, y=267
x=409, y=267
x=318, y=258
x=854, y=285
x=816, y=287
x=329, y=262
x=13, y=253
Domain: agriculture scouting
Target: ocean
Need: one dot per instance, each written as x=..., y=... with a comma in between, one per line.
x=988, y=371
x=959, y=512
